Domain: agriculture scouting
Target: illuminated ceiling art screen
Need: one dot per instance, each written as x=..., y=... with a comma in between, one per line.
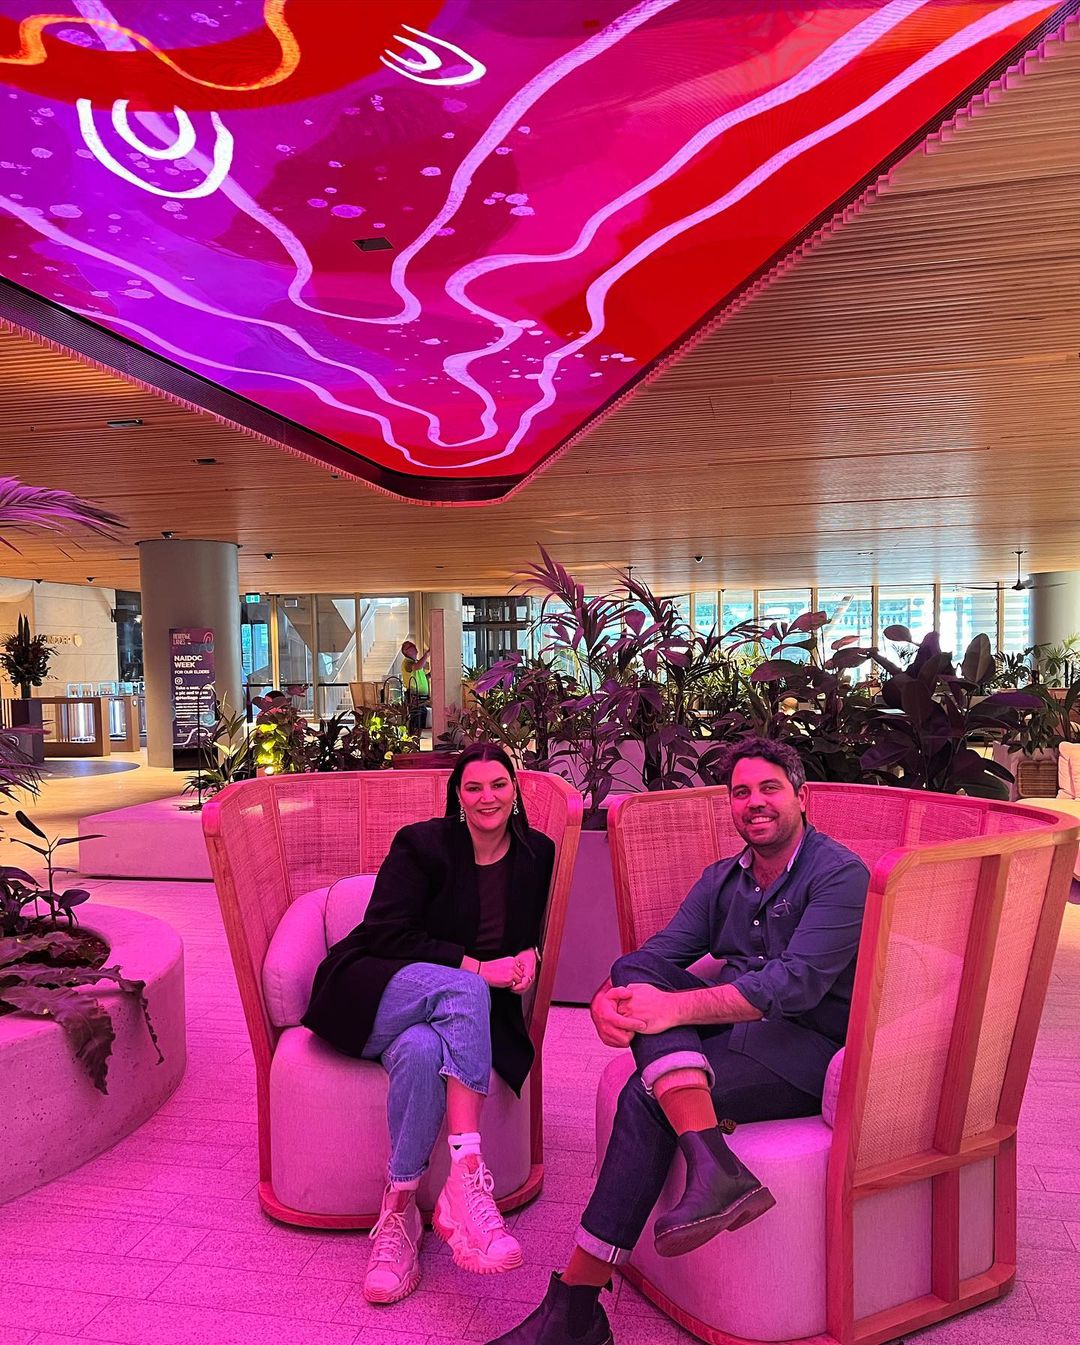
x=441, y=236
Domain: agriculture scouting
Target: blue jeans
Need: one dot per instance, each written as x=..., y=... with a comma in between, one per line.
x=642, y=1143
x=432, y=1022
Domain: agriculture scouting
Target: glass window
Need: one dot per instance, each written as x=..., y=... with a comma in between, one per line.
x=850, y=612
x=255, y=646
x=493, y=628
x=736, y=606
x=706, y=612
x=966, y=613
x=783, y=605
x=910, y=607
x=337, y=652
x=296, y=662
x=1016, y=634
x=384, y=627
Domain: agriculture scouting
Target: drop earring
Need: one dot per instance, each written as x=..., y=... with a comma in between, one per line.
x=461, y=813
x=515, y=810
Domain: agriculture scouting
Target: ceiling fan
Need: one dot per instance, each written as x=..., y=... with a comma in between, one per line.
x=1019, y=587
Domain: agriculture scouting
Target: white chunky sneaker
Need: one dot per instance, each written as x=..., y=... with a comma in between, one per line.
x=467, y=1218
x=394, y=1265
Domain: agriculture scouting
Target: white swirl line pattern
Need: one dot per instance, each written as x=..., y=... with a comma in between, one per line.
x=597, y=291
x=182, y=145
x=430, y=60
x=222, y=159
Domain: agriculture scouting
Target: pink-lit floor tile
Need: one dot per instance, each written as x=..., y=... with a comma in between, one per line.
x=125, y=1322
x=85, y=1273
x=184, y=1181
x=526, y=1285
x=108, y=1201
x=244, y=1291
x=169, y=1242
x=226, y=1214
x=1037, y=1233
x=46, y=1308
x=422, y=1312
x=279, y=1251
x=19, y=1335
x=67, y=1232
x=1063, y=1179
x=1060, y=1267
x=148, y=1149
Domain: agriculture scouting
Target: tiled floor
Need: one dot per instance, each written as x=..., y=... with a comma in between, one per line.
x=160, y=1241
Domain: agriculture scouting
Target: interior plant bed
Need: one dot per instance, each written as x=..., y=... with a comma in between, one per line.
x=55, y=1119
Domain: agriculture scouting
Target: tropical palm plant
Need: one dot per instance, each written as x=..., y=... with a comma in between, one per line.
x=31, y=507
x=25, y=507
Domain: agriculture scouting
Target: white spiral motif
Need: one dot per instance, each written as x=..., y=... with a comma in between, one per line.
x=430, y=59
x=183, y=144
x=222, y=157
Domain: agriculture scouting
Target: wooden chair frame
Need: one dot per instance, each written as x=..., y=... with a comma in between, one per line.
x=951, y=1151
x=249, y=939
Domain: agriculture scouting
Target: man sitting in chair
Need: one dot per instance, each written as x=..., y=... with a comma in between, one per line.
x=753, y=1044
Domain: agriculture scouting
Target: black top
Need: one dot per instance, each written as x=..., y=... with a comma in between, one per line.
x=425, y=907
x=493, y=889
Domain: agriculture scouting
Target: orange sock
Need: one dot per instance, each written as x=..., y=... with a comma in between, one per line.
x=685, y=1100
x=584, y=1268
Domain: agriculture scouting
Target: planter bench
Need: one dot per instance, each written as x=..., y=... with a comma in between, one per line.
x=54, y=1119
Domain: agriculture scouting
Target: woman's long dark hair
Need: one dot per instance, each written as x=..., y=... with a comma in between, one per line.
x=519, y=823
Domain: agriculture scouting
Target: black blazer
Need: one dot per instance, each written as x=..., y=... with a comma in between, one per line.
x=425, y=908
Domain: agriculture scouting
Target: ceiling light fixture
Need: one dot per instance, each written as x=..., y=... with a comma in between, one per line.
x=374, y=244
x=123, y=424
x=205, y=462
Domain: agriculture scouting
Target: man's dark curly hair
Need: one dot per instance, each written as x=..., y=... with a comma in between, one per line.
x=765, y=749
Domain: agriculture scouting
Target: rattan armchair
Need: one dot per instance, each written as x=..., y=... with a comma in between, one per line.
x=899, y=1209
x=276, y=845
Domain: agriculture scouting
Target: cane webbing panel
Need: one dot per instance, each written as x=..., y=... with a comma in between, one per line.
x=1029, y=873
x=932, y=912
x=665, y=845
x=870, y=821
x=390, y=802
x=261, y=892
x=934, y=819
x=319, y=819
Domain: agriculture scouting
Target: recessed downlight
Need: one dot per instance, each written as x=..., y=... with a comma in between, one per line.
x=124, y=424
x=374, y=244
x=205, y=462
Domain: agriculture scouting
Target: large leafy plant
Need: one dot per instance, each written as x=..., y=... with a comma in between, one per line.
x=46, y=960
x=616, y=669
x=369, y=743
x=25, y=658
x=228, y=754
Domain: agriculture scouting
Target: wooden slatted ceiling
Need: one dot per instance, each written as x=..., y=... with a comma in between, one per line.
x=901, y=405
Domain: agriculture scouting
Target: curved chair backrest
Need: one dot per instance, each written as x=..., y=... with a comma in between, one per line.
x=962, y=918
x=272, y=839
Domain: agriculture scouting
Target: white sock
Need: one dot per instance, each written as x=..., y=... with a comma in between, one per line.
x=463, y=1145
x=404, y=1186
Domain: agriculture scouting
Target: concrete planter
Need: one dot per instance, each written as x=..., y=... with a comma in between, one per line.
x=54, y=1119
x=590, y=941
x=155, y=840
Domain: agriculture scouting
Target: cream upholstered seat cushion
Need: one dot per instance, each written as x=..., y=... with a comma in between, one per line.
x=331, y=1144
x=311, y=925
x=1068, y=771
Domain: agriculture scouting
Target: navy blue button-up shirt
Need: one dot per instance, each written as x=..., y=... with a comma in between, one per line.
x=789, y=950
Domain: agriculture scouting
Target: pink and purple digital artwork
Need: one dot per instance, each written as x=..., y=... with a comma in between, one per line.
x=549, y=194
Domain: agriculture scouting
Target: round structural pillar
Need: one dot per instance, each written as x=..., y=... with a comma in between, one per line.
x=444, y=629
x=1055, y=606
x=187, y=585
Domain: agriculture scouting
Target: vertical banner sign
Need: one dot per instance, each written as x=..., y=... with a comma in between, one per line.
x=192, y=651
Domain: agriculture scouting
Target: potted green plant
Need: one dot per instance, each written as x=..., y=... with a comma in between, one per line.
x=25, y=658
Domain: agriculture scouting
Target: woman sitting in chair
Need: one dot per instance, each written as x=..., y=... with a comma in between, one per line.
x=431, y=983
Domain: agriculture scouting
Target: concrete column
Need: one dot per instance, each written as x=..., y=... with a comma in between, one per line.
x=1055, y=606
x=444, y=615
x=186, y=583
